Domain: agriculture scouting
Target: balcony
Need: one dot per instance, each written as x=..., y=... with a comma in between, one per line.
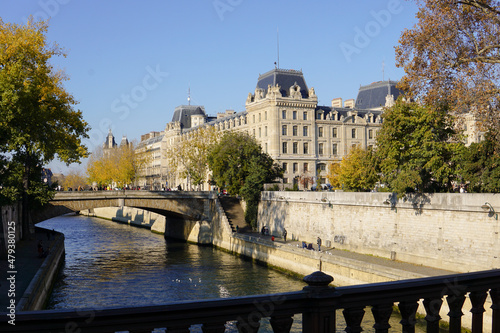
x=317, y=302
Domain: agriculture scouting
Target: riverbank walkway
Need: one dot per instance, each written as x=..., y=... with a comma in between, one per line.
x=27, y=263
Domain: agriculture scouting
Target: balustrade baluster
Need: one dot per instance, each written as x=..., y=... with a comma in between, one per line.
x=319, y=318
x=455, y=303
x=408, y=310
x=353, y=318
x=214, y=327
x=432, y=307
x=178, y=329
x=495, y=296
x=477, y=298
x=250, y=324
x=281, y=324
x=382, y=314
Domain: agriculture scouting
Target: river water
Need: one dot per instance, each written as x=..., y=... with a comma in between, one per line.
x=109, y=264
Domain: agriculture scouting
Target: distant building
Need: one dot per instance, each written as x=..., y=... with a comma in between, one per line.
x=283, y=114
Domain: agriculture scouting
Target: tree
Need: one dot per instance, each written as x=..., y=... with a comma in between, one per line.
x=334, y=175
x=480, y=166
x=414, y=148
x=451, y=58
x=189, y=156
x=37, y=119
x=74, y=180
x=239, y=165
x=115, y=167
x=358, y=169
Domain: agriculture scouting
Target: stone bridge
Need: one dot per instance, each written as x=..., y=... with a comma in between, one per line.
x=186, y=205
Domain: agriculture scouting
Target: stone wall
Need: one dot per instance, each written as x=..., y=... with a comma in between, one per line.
x=9, y=214
x=449, y=231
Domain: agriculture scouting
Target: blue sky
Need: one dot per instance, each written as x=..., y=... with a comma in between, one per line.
x=130, y=63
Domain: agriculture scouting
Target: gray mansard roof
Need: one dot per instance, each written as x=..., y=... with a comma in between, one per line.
x=373, y=95
x=183, y=114
x=285, y=78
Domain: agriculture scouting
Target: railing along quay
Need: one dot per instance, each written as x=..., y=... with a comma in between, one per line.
x=317, y=303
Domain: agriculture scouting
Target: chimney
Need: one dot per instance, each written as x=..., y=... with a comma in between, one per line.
x=349, y=103
x=337, y=102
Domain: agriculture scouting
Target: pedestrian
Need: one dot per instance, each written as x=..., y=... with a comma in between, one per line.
x=284, y=235
x=319, y=243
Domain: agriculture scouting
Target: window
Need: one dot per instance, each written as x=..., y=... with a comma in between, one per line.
x=294, y=131
x=320, y=149
x=265, y=149
x=320, y=132
x=285, y=180
x=253, y=118
x=254, y=132
x=295, y=147
x=334, y=149
x=285, y=148
x=265, y=130
x=260, y=118
x=322, y=167
x=265, y=115
x=306, y=167
x=318, y=115
x=370, y=134
x=305, y=115
x=260, y=132
x=304, y=131
x=306, y=148
x=284, y=130
x=353, y=133
x=283, y=114
x=295, y=167
x=334, y=132
x=294, y=115
x=285, y=167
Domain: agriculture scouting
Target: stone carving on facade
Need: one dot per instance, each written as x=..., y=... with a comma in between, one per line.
x=389, y=101
x=295, y=91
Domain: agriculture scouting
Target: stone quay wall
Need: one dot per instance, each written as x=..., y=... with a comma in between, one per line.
x=448, y=231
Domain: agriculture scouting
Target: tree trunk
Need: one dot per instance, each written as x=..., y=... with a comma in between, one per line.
x=25, y=215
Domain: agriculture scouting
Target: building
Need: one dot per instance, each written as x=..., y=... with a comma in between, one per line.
x=284, y=116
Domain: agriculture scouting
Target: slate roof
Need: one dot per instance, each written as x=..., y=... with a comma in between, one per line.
x=285, y=78
x=183, y=114
x=373, y=95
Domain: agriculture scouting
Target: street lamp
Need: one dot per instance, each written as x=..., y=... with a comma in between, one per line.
x=488, y=208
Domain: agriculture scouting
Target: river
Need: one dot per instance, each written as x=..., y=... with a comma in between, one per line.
x=109, y=264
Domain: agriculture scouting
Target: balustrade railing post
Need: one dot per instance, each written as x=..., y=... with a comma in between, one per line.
x=353, y=318
x=495, y=307
x=477, y=298
x=408, y=310
x=432, y=307
x=382, y=314
x=319, y=318
x=455, y=303
x=281, y=324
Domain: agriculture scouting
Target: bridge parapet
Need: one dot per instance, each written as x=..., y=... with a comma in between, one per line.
x=191, y=205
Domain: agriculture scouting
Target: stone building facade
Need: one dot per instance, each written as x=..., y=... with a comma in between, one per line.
x=283, y=114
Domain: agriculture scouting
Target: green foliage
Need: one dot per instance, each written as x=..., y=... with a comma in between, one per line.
x=414, y=148
x=37, y=119
x=480, y=166
x=239, y=165
x=358, y=170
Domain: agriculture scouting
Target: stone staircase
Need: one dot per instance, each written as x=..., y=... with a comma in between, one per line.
x=234, y=212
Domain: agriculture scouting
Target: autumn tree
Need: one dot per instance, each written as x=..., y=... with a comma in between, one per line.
x=74, y=180
x=114, y=167
x=238, y=164
x=37, y=118
x=414, y=148
x=189, y=156
x=334, y=175
x=358, y=170
x=451, y=59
